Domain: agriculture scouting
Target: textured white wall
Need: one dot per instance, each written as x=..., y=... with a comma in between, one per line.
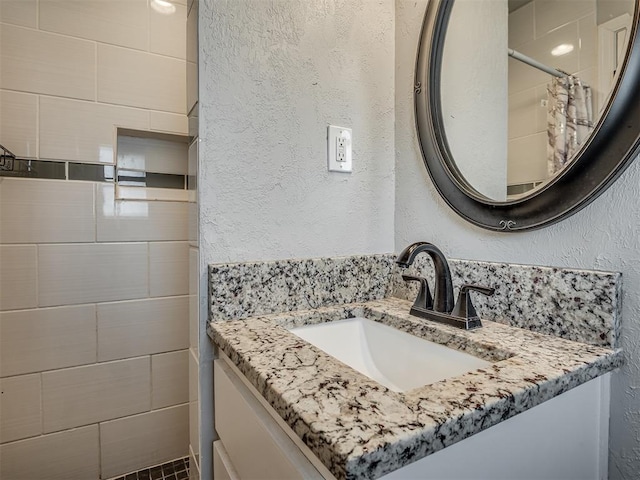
x=605, y=235
x=273, y=75
x=474, y=93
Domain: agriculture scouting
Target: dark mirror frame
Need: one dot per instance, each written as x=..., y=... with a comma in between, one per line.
x=609, y=150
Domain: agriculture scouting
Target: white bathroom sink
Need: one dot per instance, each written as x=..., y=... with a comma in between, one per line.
x=393, y=358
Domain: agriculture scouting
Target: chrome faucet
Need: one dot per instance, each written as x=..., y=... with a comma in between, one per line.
x=441, y=308
x=443, y=294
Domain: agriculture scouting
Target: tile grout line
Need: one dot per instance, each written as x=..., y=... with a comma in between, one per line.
x=149, y=270
x=95, y=312
x=95, y=72
x=99, y=450
x=110, y=104
x=41, y=403
x=146, y=51
x=150, y=383
x=96, y=186
x=38, y=127
x=37, y=285
x=148, y=18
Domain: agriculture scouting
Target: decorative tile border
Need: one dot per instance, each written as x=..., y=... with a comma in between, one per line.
x=579, y=305
x=94, y=172
x=34, y=169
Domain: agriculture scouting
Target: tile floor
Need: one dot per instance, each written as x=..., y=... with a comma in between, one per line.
x=176, y=470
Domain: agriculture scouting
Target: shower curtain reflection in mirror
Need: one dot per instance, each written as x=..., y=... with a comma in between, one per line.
x=570, y=120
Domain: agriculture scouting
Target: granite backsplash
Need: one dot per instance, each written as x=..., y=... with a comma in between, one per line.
x=578, y=305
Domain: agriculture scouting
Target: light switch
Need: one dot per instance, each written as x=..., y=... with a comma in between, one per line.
x=339, y=149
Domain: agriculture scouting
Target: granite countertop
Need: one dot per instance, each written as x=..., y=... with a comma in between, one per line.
x=360, y=429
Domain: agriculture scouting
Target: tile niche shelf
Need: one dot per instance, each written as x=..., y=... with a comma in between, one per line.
x=151, y=166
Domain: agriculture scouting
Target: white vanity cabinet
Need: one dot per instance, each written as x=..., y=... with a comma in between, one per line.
x=565, y=437
x=253, y=444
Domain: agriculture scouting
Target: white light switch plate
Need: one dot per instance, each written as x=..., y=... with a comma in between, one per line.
x=339, y=149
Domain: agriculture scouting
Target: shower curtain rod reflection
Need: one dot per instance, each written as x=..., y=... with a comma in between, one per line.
x=536, y=64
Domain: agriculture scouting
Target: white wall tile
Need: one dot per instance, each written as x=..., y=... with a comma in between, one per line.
x=46, y=211
x=192, y=82
x=192, y=183
x=62, y=456
x=125, y=221
x=153, y=155
x=84, y=131
x=541, y=110
x=46, y=339
x=40, y=62
x=168, y=33
x=147, y=439
x=588, y=33
x=17, y=276
x=159, y=82
x=522, y=113
x=168, y=122
x=82, y=395
x=151, y=194
x=194, y=472
x=521, y=26
x=194, y=333
x=87, y=273
x=140, y=327
x=193, y=162
x=194, y=404
x=192, y=57
x=120, y=23
x=20, y=415
x=168, y=268
x=18, y=123
x=63, y=336
x=527, y=159
x=192, y=35
x=193, y=220
x=169, y=379
x=551, y=14
x=522, y=76
x=19, y=12
x=194, y=290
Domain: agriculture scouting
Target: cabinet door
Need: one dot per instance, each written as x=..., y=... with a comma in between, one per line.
x=256, y=445
x=222, y=467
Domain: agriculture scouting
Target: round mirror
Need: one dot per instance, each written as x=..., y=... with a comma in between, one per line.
x=527, y=109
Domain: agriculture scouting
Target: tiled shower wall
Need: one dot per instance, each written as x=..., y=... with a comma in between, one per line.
x=94, y=330
x=534, y=30
x=197, y=289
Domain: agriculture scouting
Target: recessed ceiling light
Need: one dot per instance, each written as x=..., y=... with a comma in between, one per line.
x=562, y=49
x=163, y=6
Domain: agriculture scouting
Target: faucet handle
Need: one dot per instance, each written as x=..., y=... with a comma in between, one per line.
x=424, y=298
x=464, y=308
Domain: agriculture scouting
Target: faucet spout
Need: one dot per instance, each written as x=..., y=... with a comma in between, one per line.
x=443, y=295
